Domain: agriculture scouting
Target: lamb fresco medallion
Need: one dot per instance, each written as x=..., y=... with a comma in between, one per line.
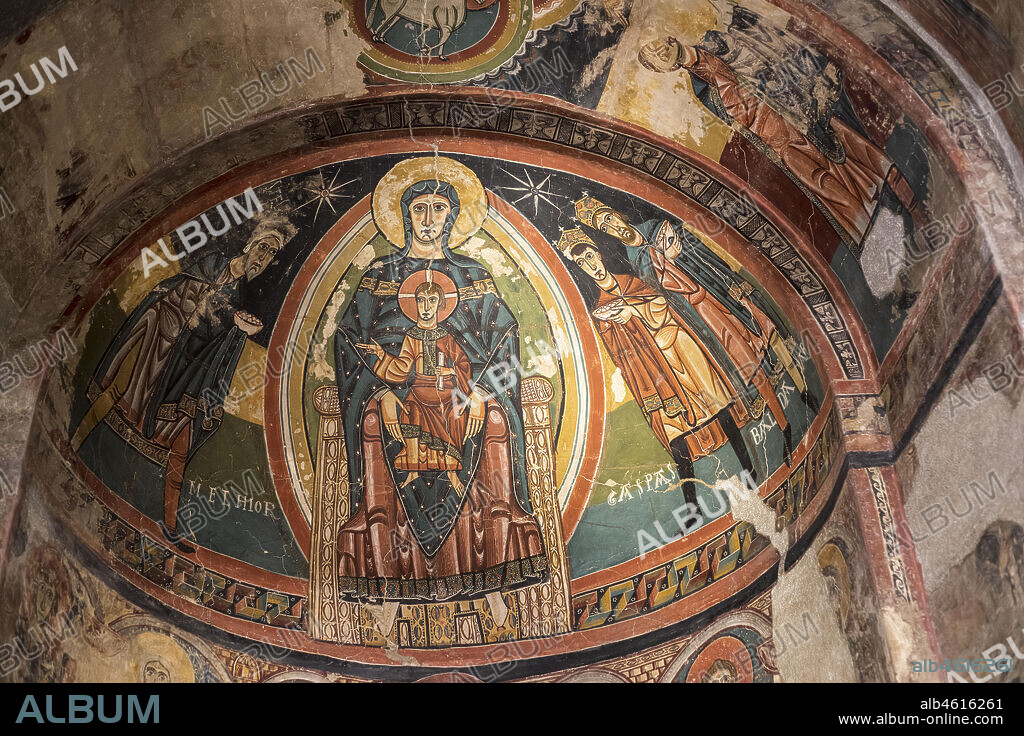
x=440, y=40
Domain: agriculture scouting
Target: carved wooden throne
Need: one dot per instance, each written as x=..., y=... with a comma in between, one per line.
x=537, y=610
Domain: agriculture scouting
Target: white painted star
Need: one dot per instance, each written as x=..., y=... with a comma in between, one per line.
x=538, y=191
x=324, y=193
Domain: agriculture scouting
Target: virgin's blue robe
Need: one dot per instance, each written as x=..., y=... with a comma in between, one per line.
x=484, y=328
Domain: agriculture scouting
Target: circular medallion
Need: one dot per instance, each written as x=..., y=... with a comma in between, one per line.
x=434, y=41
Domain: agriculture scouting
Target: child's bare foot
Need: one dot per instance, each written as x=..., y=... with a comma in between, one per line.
x=410, y=478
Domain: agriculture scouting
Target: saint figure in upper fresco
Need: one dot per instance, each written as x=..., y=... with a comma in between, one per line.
x=683, y=391
x=451, y=520
x=162, y=383
x=830, y=158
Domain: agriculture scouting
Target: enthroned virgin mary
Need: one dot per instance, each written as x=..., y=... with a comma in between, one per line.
x=422, y=536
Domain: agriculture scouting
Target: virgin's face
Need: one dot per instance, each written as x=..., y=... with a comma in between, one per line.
x=429, y=213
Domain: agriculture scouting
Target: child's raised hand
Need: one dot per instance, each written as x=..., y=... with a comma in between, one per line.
x=371, y=347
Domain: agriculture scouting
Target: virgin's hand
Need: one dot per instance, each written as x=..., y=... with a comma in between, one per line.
x=477, y=407
x=391, y=408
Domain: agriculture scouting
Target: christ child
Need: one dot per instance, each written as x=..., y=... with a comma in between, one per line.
x=429, y=424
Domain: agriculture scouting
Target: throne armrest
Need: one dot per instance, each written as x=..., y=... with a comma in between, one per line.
x=325, y=401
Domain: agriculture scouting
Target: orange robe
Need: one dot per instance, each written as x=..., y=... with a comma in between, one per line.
x=494, y=545
x=433, y=433
x=744, y=347
x=847, y=190
x=672, y=376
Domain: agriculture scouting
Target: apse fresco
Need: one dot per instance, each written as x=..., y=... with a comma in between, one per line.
x=412, y=380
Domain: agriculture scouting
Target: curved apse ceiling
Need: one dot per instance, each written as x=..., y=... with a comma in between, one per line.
x=517, y=366
x=279, y=312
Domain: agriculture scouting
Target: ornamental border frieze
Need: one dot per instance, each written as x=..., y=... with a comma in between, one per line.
x=453, y=116
x=890, y=537
x=196, y=584
x=686, y=574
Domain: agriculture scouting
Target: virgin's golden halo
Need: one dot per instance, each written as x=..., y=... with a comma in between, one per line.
x=387, y=197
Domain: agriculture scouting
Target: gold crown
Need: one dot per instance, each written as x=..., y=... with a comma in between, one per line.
x=587, y=209
x=571, y=238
